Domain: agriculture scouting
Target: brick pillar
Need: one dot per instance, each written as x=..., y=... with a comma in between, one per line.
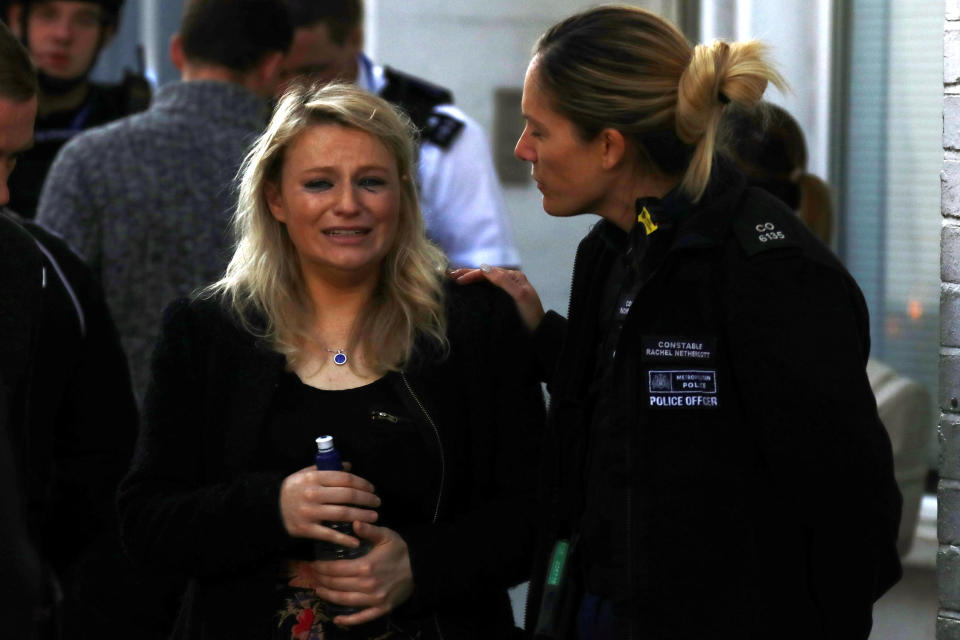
x=948, y=494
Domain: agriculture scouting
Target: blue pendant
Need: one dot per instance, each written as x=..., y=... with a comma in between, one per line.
x=340, y=358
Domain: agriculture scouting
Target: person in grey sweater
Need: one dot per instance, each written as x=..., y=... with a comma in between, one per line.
x=147, y=200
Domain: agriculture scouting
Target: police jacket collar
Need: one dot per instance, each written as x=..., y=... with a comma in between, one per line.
x=700, y=224
x=707, y=221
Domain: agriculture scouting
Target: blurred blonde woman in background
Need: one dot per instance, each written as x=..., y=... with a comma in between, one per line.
x=715, y=467
x=333, y=319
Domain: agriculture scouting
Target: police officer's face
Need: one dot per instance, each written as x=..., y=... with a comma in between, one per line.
x=567, y=169
x=16, y=136
x=64, y=37
x=314, y=55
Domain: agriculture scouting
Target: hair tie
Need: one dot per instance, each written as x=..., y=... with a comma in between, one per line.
x=723, y=98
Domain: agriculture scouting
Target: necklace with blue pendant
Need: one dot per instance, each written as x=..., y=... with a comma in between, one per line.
x=339, y=357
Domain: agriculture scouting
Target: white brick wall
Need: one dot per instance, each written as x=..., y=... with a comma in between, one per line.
x=948, y=529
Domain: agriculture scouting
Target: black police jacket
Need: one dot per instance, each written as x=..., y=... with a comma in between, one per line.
x=745, y=478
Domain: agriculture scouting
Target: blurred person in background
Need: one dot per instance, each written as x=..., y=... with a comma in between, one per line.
x=146, y=200
x=70, y=415
x=65, y=39
x=771, y=151
x=463, y=206
x=334, y=318
x=714, y=453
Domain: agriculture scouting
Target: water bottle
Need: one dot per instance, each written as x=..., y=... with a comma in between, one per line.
x=328, y=459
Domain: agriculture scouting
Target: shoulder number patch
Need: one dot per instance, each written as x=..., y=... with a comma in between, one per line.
x=767, y=232
x=442, y=129
x=758, y=234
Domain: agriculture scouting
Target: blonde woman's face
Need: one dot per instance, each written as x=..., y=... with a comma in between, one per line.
x=568, y=171
x=339, y=197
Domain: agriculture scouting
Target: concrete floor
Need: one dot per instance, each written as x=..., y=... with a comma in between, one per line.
x=909, y=610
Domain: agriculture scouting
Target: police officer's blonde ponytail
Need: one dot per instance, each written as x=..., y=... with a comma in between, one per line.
x=717, y=75
x=629, y=69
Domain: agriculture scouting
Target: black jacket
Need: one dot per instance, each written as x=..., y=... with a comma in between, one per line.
x=745, y=480
x=84, y=413
x=72, y=423
x=191, y=504
x=21, y=315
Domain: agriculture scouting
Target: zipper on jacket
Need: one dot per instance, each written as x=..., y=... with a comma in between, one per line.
x=383, y=415
x=630, y=459
x=443, y=463
x=436, y=432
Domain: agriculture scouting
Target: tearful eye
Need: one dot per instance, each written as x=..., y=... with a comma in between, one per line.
x=318, y=185
x=372, y=183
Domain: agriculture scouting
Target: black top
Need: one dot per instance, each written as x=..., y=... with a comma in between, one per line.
x=373, y=431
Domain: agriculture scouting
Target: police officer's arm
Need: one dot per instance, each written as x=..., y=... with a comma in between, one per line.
x=799, y=343
x=514, y=283
x=464, y=209
x=68, y=206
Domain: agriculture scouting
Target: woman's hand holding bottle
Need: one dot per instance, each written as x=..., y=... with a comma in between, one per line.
x=310, y=497
x=375, y=583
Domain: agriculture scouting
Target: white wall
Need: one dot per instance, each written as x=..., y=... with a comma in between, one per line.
x=798, y=33
x=472, y=48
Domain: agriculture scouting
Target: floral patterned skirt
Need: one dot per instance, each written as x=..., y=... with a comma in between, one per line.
x=305, y=616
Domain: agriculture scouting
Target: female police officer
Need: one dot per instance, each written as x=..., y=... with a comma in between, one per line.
x=718, y=467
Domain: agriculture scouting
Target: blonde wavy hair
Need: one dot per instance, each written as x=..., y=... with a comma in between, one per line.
x=263, y=282
x=628, y=69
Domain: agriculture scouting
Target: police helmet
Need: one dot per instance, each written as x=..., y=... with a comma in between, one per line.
x=110, y=8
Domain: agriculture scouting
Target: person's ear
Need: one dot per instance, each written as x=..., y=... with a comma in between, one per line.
x=355, y=39
x=271, y=193
x=177, y=55
x=14, y=19
x=613, y=148
x=268, y=72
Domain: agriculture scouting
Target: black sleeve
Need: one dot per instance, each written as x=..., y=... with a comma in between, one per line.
x=489, y=541
x=83, y=391
x=21, y=576
x=175, y=512
x=548, y=338
x=799, y=339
